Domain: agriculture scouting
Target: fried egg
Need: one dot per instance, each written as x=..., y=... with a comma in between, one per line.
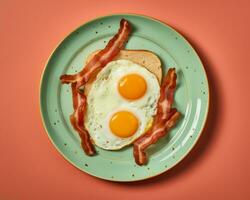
x=121, y=104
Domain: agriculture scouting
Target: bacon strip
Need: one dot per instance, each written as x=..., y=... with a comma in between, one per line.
x=102, y=58
x=166, y=117
x=77, y=119
x=96, y=63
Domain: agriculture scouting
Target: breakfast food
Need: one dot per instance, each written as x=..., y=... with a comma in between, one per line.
x=164, y=119
x=77, y=119
x=118, y=98
x=78, y=80
x=121, y=104
x=144, y=58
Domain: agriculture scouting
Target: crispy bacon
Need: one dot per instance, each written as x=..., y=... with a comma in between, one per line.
x=166, y=117
x=102, y=58
x=77, y=119
x=96, y=63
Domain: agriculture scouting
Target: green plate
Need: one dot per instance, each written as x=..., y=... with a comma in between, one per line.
x=191, y=98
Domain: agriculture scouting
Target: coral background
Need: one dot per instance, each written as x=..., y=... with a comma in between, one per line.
x=219, y=165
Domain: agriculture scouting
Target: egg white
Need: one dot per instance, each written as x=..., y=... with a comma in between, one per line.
x=104, y=100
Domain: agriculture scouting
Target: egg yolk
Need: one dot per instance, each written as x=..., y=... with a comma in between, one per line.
x=123, y=124
x=132, y=86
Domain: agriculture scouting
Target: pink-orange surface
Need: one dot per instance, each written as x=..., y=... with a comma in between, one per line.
x=219, y=165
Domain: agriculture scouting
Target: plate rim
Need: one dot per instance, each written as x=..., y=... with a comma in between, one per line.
x=136, y=15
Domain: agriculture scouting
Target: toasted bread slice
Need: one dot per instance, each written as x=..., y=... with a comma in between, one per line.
x=144, y=58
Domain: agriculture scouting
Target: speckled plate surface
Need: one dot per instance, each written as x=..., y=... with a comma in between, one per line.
x=191, y=98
